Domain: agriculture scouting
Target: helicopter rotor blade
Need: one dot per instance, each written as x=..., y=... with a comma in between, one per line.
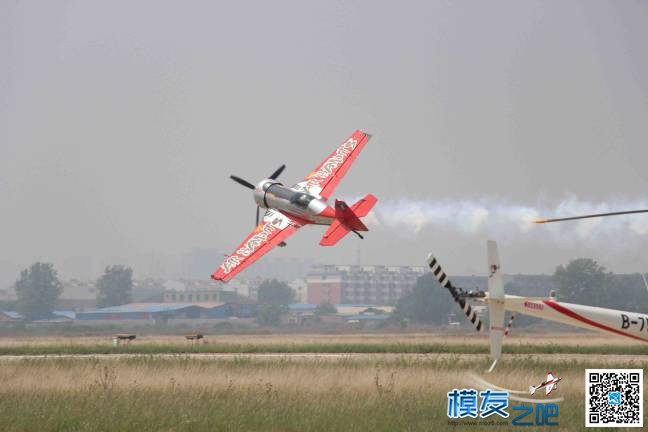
x=542, y=221
x=440, y=275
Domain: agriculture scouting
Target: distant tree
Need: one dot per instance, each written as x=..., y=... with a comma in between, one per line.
x=584, y=281
x=626, y=292
x=428, y=302
x=275, y=293
x=115, y=286
x=37, y=291
x=325, y=308
x=269, y=315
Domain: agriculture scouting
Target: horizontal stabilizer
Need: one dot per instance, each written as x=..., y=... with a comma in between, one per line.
x=334, y=233
x=347, y=219
x=364, y=206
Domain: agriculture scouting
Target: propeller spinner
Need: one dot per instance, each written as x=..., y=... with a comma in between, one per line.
x=249, y=185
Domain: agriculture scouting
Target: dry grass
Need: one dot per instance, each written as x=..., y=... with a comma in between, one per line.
x=282, y=376
x=260, y=393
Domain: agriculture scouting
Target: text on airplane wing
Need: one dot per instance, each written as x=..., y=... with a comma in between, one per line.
x=273, y=229
x=325, y=178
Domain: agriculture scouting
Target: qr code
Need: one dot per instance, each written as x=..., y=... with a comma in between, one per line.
x=614, y=397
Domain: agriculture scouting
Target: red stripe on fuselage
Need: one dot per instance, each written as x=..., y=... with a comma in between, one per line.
x=563, y=310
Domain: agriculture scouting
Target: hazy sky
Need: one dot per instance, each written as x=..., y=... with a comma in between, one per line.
x=120, y=123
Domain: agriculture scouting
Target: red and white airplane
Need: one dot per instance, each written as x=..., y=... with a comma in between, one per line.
x=305, y=203
x=550, y=384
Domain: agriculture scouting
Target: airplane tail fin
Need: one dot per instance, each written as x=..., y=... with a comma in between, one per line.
x=495, y=301
x=532, y=390
x=347, y=219
x=364, y=206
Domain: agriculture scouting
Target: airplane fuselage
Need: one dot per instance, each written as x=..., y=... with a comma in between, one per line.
x=308, y=208
x=630, y=324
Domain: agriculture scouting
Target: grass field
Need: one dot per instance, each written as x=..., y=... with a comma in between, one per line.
x=586, y=343
x=245, y=393
x=392, y=389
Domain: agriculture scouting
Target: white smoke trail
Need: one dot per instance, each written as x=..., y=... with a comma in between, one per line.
x=505, y=219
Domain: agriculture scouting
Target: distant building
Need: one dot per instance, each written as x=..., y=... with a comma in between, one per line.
x=148, y=289
x=163, y=312
x=378, y=285
x=283, y=269
x=252, y=286
x=160, y=312
x=300, y=287
x=53, y=318
x=385, y=285
x=303, y=313
x=77, y=294
x=519, y=284
x=197, y=291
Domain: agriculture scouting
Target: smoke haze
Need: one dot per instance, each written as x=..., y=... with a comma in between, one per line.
x=120, y=124
x=504, y=219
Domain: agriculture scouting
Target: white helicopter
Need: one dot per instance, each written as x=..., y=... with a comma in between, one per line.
x=620, y=323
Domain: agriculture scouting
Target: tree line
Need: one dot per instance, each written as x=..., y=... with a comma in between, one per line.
x=38, y=289
x=582, y=281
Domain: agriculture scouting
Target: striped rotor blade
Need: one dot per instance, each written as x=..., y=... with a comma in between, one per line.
x=444, y=280
x=438, y=272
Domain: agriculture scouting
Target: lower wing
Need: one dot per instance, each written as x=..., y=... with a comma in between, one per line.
x=273, y=229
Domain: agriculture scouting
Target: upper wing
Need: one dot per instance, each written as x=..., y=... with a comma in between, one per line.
x=550, y=377
x=273, y=229
x=324, y=179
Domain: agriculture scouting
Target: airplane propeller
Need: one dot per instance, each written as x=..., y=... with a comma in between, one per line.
x=445, y=282
x=278, y=172
x=542, y=221
x=242, y=182
x=249, y=185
